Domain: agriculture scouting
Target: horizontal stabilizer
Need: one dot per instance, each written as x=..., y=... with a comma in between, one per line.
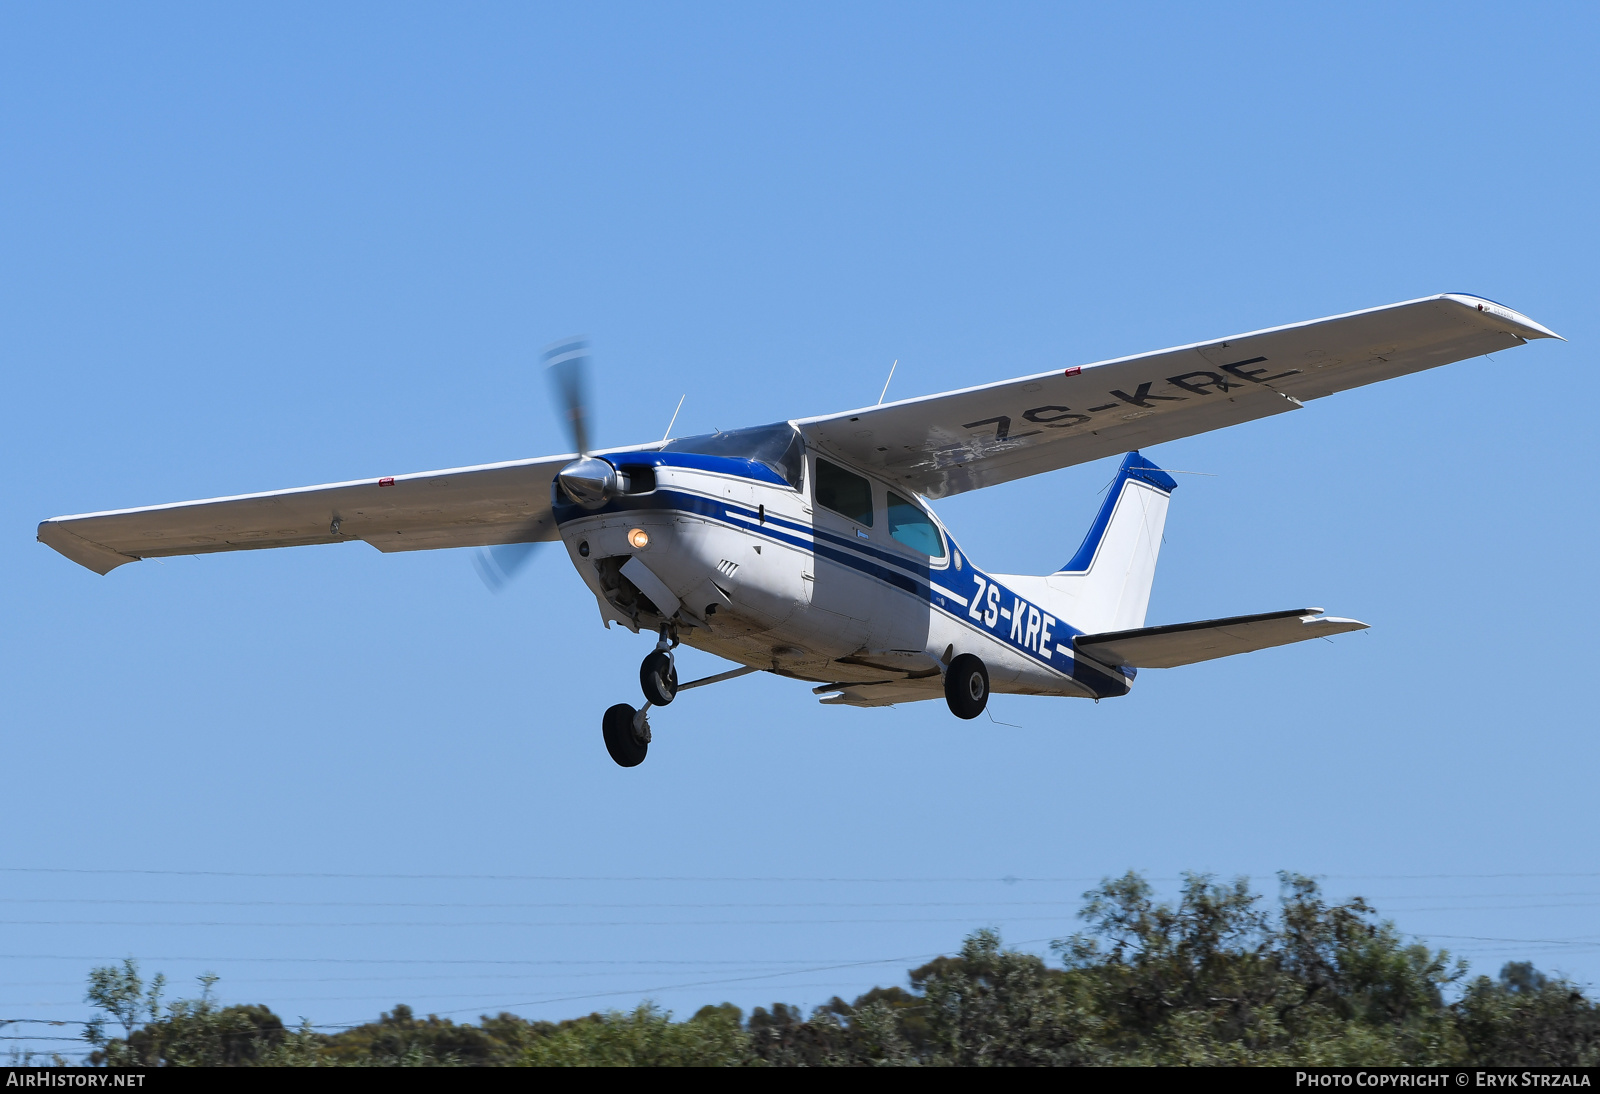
x=1186, y=643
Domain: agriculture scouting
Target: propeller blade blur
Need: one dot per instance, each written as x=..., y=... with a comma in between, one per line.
x=567, y=363
x=496, y=566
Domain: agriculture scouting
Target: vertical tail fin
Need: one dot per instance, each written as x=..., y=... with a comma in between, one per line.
x=1109, y=579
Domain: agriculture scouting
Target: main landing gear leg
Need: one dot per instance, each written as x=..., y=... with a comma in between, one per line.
x=627, y=731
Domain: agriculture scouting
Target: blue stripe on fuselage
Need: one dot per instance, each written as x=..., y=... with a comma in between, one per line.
x=903, y=574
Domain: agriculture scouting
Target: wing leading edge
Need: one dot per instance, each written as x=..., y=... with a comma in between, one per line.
x=956, y=441
x=459, y=507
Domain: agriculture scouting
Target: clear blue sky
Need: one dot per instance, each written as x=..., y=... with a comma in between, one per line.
x=256, y=247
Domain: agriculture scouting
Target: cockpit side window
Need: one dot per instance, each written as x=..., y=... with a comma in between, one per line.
x=844, y=492
x=911, y=526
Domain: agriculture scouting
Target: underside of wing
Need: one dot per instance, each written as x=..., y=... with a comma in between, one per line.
x=945, y=444
x=460, y=507
x=1187, y=643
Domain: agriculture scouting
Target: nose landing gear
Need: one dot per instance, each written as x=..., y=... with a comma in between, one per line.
x=627, y=734
x=627, y=731
x=658, y=676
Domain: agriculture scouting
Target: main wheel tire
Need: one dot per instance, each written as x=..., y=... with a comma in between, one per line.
x=966, y=686
x=658, y=676
x=624, y=746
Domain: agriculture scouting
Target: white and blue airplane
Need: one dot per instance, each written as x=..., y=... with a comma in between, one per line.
x=807, y=549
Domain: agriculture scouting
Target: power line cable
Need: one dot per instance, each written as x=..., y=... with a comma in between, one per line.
x=564, y=924
x=521, y=877
x=390, y=998
x=649, y=991
x=706, y=879
x=408, y=960
x=646, y=992
x=565, y=904
x=516, y=923
x=643, y=904
x=234, y=982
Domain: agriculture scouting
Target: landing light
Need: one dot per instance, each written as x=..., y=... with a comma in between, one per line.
x=639, y=538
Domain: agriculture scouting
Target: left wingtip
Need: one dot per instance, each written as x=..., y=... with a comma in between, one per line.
x=86, y=553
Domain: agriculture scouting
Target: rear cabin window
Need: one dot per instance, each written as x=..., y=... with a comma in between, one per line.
x=911, y=526
x=844, y=492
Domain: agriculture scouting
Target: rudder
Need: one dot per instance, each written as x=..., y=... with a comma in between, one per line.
x=1108, y=580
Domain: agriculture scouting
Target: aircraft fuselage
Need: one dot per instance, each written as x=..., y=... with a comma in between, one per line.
x=769, y=578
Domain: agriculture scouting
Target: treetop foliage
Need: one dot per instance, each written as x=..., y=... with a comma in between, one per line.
x=1221, y=976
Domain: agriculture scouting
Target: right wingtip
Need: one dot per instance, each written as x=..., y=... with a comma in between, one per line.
x=1524, y=327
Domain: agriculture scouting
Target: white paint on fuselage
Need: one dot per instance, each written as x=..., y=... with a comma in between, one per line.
x=793, y=607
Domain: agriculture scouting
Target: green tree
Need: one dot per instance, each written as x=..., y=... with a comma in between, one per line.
x=1525, y=1018
x=400, y=1039
x=644, y=1037
x=1219, y=975
x=1218, y=979
x=995, y=1007
x=120, y=993
x=190, y=1033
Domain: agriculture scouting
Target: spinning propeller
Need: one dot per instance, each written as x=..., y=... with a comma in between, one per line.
x=590, y=482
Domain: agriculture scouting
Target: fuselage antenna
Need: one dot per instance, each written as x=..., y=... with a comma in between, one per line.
x=886, y=382
x=674, y=421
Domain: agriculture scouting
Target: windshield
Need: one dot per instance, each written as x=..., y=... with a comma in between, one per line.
x=778, y=446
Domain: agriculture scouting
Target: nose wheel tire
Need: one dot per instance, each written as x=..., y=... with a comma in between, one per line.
x=658, y=676
x=966, y=686
x=627, y=745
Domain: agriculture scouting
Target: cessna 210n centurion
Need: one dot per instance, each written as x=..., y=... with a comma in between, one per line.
x=805, y=548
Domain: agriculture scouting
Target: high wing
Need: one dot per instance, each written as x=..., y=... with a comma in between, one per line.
x=459, y=507
x=936, y=445
x=945, y=444
x=1189, y=643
